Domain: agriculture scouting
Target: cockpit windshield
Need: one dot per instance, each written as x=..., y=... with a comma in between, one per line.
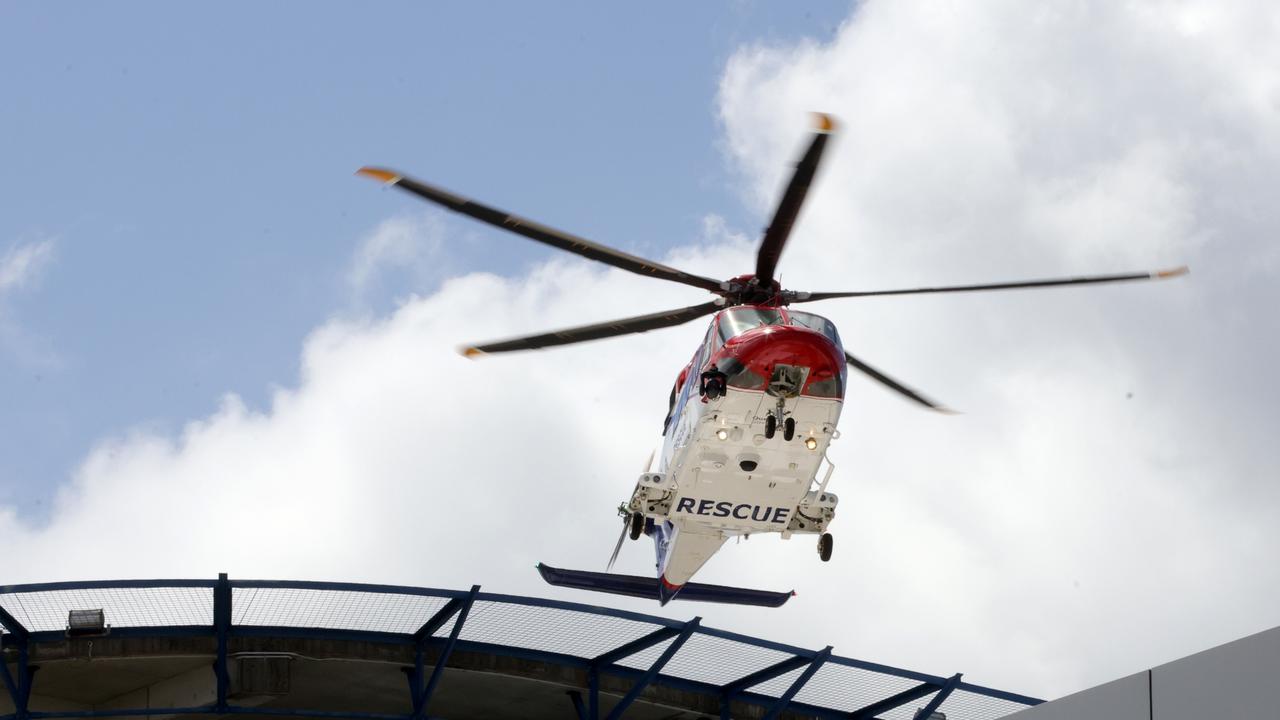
x=815, y=322
x=735, y=321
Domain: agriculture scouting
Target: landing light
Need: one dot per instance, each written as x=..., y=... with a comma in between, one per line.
x=86, y=622
x=811, y=443
x=722, y=434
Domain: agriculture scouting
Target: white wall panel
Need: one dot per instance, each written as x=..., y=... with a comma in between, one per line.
x=1123, y=699
x=1237, y=680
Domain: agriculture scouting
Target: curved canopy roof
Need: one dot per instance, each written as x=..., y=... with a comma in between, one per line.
x=379, y=652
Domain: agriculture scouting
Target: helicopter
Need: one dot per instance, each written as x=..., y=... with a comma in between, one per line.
x=749, y=418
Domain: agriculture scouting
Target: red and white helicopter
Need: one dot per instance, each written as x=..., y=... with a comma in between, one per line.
x=750, y=417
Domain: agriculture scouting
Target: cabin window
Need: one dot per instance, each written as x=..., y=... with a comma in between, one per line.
x=735, y=321
x=675, y=393
x=829, y=388
x=739, y=375
x=710, y=343
x=671, y=406
x=815, y=322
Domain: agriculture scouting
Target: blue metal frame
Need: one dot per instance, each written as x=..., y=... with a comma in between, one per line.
x=610, y=658
x=579, y=710
x=9, y=684
x=939, y=698
x=458, y=604
x=895, y=701
x=222, y=630
x=729, y=690
x=418, y=692
x=19, y=688
x=421, y=703
x=818, y=661
x=776, y=670
x=654, y=669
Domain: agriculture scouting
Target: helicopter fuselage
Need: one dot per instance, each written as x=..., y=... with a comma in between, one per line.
x=750, y=420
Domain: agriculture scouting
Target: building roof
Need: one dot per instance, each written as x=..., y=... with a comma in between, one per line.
x=374, y=652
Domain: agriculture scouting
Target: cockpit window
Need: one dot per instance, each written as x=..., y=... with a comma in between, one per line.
x=815, y=322
x=735, y=321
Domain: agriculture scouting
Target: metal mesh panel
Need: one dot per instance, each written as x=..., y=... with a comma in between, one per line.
x=647, y=657
x=909, y=710
x=849, y=688
x=719, y=661
x=122, y=607
x=333, y=609
x=964, y=705
x=570, y=632
x=778, y=685
x=839, y=686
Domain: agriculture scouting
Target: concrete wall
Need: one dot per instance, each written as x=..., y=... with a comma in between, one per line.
x=1236, y=680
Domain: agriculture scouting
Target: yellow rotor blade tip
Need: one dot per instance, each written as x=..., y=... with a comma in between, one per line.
x=471, y=353
x=379, y=174
x=824, y=122
x=1173, y=272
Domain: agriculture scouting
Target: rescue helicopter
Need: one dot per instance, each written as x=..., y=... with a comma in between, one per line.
x=750, y=417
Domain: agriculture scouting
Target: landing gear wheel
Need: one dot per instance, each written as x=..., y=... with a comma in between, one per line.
x=770, y=426
x=825, y=544
x=789, y=429
x=637, y=525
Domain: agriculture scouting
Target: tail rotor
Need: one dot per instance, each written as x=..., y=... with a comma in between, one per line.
x=632, y=522
x=626, y=528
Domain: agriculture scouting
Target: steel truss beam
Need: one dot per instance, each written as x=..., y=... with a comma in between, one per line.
x=906, y=696
x=642, y=643
x=420, y=705
x=222, y=630
x=941, y=697
x=778, y=669
x=421, y=639
x=20, y=687
x=818, y=660
x=648, y=677
x=605, y=659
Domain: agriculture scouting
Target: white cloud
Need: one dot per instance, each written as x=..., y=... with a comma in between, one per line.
x=405, y=243
x=1060, y=533
x=21, y=268
x=21, y=264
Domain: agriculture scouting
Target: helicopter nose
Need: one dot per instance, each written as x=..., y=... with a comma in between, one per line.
x=804, y=348
x=666, y=590
x=766, y=349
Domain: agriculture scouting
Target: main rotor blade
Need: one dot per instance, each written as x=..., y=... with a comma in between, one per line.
x=894, y=384
x=625, y=326
x=541, y=233
x=1083, y=280
x=784, y=217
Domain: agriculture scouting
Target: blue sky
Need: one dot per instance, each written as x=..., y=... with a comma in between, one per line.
x=192, y=167
x=185, y=360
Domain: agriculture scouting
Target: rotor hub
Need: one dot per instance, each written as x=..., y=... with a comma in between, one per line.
x=748, y=290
